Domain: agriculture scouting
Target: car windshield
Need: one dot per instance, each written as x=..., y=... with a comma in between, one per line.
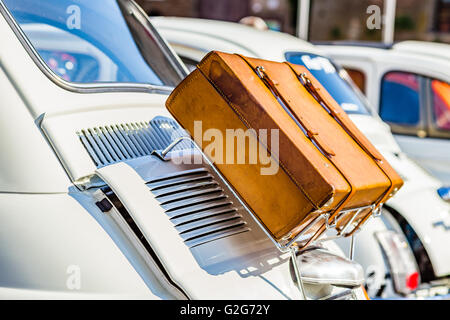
x=335, y=80
x=87, y=41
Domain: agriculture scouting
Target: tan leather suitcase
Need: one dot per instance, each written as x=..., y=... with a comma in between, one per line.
x=329, y=174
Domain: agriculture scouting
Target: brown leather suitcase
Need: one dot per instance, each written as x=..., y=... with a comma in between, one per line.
x=329, y=174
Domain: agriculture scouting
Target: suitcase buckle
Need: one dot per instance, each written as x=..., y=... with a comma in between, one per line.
x=377, y=212
x=327, y=222
x=306, y=82
x=261, y=72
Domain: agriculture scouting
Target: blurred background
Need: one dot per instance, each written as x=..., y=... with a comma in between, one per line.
x=330, y=20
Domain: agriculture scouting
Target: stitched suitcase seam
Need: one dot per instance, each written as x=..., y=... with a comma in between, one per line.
x=180, y=88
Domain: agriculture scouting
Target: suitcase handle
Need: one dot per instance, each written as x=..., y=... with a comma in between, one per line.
x=308, y=129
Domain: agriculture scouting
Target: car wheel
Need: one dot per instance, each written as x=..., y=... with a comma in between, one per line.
x=394, y=221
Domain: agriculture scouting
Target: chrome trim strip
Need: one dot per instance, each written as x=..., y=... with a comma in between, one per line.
x=174, y=60
x=71, y=86
x=341, y=296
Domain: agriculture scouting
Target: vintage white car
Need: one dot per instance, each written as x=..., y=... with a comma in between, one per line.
x=417, y=210
x=89, y=206
x=408, y=84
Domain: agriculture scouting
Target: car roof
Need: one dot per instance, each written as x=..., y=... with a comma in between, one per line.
x=414, y=48
x=351, y=43
x=439, y=50
x=272, y=43
x=427, y=58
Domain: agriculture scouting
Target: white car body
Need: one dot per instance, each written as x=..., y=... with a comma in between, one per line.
x=418, y=201
x=431, y=60
x=55, y=242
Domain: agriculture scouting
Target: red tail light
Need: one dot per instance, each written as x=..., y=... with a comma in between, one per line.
x=402, y=265
x=412, y=281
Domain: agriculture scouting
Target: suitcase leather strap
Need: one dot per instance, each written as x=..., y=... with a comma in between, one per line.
x=310, y=133
x=304, y=124
x=308, y=129
x=303, y=79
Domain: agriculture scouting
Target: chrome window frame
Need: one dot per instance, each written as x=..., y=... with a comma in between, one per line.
x=433, y=130
x=92, y=87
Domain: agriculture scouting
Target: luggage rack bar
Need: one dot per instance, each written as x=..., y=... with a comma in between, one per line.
x=163, y=153
x=328, y=226
x=357, y=211
x=376, y=212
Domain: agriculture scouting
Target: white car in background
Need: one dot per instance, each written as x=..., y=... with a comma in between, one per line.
x=88, y=206
x=416, y=211
x=408, y=85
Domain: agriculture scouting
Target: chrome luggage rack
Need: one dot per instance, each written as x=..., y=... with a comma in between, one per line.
x=284, y=245
x=326, y=216
x=290, y=245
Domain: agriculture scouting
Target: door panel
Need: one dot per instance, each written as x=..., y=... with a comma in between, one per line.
x=432, y=154
x=439, y=109
x=418, y=110
x=367, y=70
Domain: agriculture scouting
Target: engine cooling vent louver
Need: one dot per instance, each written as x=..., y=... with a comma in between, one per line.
x=198, y=206
x=113, y=143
